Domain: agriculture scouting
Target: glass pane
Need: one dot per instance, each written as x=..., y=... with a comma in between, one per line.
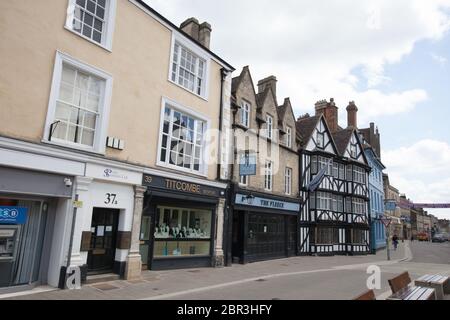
x=68, y=74
x=91, y=6
x=97, y=36
x=163, y=155
x=93, y=102
x=66, y=93
x=79, y=98
x=87, y=137
x=89, y=120
x=88, y=19
x=98, y=24
x=60, y=131
x=101, y=2
x=62, y=112
x=81, y=3
x=71, y=133
x=87, y=31
x=164, y=141
x=100, y=12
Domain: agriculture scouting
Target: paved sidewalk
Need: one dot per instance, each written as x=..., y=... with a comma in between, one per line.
x=170, y=284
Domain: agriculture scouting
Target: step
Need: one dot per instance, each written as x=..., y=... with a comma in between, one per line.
x=102, y=278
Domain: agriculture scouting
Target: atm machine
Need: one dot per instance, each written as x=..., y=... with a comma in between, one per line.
x=9, y=235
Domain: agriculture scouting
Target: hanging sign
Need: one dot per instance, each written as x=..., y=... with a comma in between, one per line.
x=247, y=165
x=13, y=215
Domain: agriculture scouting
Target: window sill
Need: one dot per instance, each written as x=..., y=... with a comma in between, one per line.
x=191, y=92
x=89, y=40
x=72, y=146
x=179, y=169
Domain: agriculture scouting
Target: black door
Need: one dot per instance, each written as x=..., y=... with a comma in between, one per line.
x=292, y=235
x=103, y=240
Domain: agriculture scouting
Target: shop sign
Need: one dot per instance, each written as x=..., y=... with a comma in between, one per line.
x=181, y=186
x=13, y=215
x=247, y=200
x=113, y=174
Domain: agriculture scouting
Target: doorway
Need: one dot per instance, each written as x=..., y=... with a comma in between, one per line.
x=102, y=249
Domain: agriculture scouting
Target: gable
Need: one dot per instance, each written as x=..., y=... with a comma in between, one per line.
x=354, y=150
x=320, y=132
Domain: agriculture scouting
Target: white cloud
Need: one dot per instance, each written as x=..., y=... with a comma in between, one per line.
x=439, y=59
x=314, y=47
x=422, y=172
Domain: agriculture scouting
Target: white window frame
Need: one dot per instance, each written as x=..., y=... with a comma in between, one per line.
x=188, y=111
x=246, y=110
x=243, y=180
x=182, y=41
x=269, y=126
x=268, y=176
x=289, y=137
x=288, y=181
x=320, y=140
x=110, y=15
x=104, y=105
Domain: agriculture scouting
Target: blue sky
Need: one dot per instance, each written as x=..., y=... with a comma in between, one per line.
x=390, y=57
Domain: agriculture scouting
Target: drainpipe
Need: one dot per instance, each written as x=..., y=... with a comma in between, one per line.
x=75, y=196
x=223, y=75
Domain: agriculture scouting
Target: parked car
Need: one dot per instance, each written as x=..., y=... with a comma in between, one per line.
x=423, y=236
x=439, y=237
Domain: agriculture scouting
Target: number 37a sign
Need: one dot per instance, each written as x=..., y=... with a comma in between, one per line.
x=111, y=199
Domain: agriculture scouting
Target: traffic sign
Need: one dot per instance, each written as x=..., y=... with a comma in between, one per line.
x=386, y=221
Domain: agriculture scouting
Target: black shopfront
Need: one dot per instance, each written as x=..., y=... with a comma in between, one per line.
x=264, y=227
x=178, y=224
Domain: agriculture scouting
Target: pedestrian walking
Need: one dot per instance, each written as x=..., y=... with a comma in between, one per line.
x=395, y=241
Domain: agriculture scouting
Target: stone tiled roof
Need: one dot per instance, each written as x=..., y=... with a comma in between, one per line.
x=342, y=138
x=305, y=128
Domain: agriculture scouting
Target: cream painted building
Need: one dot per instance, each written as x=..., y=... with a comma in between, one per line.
x=108, y=103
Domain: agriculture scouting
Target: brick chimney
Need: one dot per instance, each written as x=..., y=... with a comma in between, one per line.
x=352, y=112
x=199, y=32
x=268, y=82
x=330, y=112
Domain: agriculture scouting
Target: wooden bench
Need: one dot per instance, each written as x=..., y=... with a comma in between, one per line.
x=440, y=284
x=367, y=296
x=401, y=289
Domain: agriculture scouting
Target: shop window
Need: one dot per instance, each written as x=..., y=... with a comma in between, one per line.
x=358, y=236
x=182, y=232
x=327, y=235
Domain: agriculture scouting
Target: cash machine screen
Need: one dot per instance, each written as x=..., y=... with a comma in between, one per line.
x=7, y=243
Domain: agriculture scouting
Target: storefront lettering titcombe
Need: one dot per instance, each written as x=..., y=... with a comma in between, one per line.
x=183, y=186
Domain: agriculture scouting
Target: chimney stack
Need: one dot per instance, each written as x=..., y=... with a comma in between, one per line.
x=268, y=82
x=197, y=31
x=330, y=112
x=352, y=111
x=204, y=35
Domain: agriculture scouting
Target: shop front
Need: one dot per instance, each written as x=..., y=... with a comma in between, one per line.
x=31, y=206
x=181, y=224
x=106, y=198
x=264, y=227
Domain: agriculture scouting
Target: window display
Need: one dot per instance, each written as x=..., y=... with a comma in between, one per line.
x=174, y=223
x=182, y=232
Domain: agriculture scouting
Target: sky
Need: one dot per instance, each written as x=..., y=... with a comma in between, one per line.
x=390, y=57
